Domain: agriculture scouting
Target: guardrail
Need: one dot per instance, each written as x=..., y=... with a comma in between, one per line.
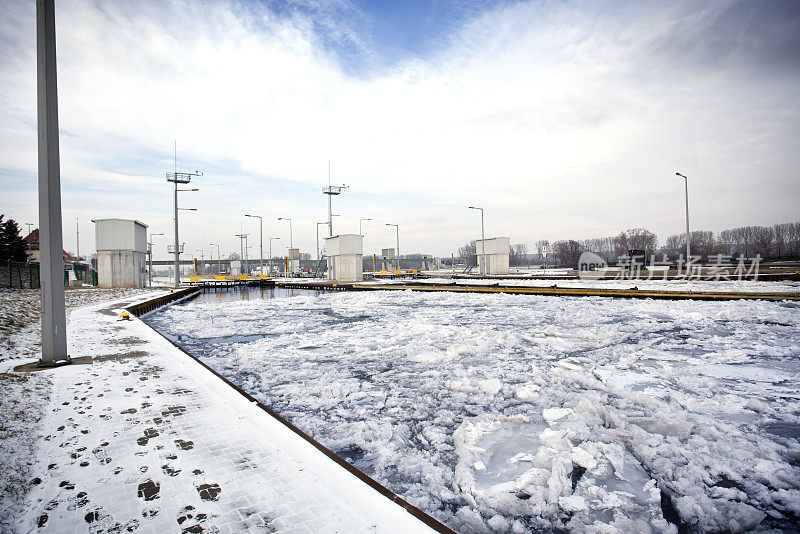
x=153, y=304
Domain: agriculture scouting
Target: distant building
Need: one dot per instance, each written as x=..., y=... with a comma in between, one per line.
x=496, y=251
x=32, y=248
x=121, y=253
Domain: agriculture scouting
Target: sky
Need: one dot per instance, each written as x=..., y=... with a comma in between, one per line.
x=561, y=119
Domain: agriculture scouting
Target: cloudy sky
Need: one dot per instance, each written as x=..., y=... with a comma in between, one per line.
x=561, y=119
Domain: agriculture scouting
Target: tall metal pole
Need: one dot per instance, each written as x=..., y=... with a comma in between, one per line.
x=359, y=226
x=397, y=229
x=150, y=260
x=51, y=259
x=219, y=258
x=330, y=203
x=77, y=240
x=482, y=270
x=261, y=240
x=271, y=267
x=686, y=189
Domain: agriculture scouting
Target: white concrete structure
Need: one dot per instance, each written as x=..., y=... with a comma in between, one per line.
x=496, y=251
x=236, y=267
x=344, y=254
x=121, y=253
x=294, y=260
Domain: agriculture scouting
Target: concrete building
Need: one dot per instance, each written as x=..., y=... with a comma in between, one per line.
x=344, y=253
x=388, y=262
x=496, y=251
x=121, y=253
x=294, y=260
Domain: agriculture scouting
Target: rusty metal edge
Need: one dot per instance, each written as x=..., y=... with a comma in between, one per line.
x=153, y=304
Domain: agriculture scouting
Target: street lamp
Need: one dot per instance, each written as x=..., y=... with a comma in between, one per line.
x=686, y=188
x=318, y=242
x=483, y=242
x=150, y=259
x=179, y=178
x=261, y=239
x=397, y=230
x=271, y=268
x=219, y=258
x=359, y=226
x=291, y=245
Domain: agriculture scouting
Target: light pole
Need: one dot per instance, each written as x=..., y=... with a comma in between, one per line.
x=686, y=188
x=179, y=178
x=150, y=259
x=271, y=268
x=77, y=241
x=359, y=226
x=291, y=245
x=318, y=241
x=483, y=242
x=242, y=241
x=51, y=259
x=219, y=258
x=261, y=240
x=397, y=230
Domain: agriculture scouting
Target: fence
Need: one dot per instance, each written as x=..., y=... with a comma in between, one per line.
x=19, y=275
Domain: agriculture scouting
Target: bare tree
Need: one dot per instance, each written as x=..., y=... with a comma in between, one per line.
x=568, y=252
x=518, y=254
x=763, y=238
x=467, y=254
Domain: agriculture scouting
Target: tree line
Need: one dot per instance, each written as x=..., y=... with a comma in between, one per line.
x=780, y=241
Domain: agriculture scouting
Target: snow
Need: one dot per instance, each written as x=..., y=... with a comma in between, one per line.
x=516, y=412
x=146, y=439
x=749, y=286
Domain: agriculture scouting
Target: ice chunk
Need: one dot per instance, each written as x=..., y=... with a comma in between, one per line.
x=554, y=414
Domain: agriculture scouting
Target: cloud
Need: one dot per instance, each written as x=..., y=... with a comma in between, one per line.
x=563, y=119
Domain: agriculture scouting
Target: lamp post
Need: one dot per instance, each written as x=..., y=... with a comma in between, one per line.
x=51, y=259
x=483, y=242
x=242, y=241
x=291, y=245
x=686, y=189
x=397, y=230
x=271, y=268
x=150, y=259
x=219, y=258
x=318, y=257
x=179, y=178
x=261, y=240
x=359, y=226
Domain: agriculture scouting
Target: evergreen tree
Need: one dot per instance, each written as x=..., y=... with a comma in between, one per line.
x=11, y=245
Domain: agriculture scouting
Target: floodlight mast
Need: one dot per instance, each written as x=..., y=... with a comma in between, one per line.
x=179, y=178
x=331, y=190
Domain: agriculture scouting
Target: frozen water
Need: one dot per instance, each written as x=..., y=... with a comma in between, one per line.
x=517, y=412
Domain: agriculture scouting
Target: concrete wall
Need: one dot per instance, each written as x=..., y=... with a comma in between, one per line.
x=346, y=268
x=495, y=263
x=345, y=253
x=121, y=268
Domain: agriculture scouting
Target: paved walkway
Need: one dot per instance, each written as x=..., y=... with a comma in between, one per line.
x=145, y=438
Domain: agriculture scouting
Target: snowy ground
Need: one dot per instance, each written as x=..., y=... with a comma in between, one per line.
x=662, y=285
x=25, y=394
x=145, y=439
x=515, y=412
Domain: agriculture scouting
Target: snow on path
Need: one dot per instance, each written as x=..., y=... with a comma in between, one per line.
x=146, y=438
x=515, y=412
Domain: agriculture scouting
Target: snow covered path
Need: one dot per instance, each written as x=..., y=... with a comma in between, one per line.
x=146, y=438
x=514, y=412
